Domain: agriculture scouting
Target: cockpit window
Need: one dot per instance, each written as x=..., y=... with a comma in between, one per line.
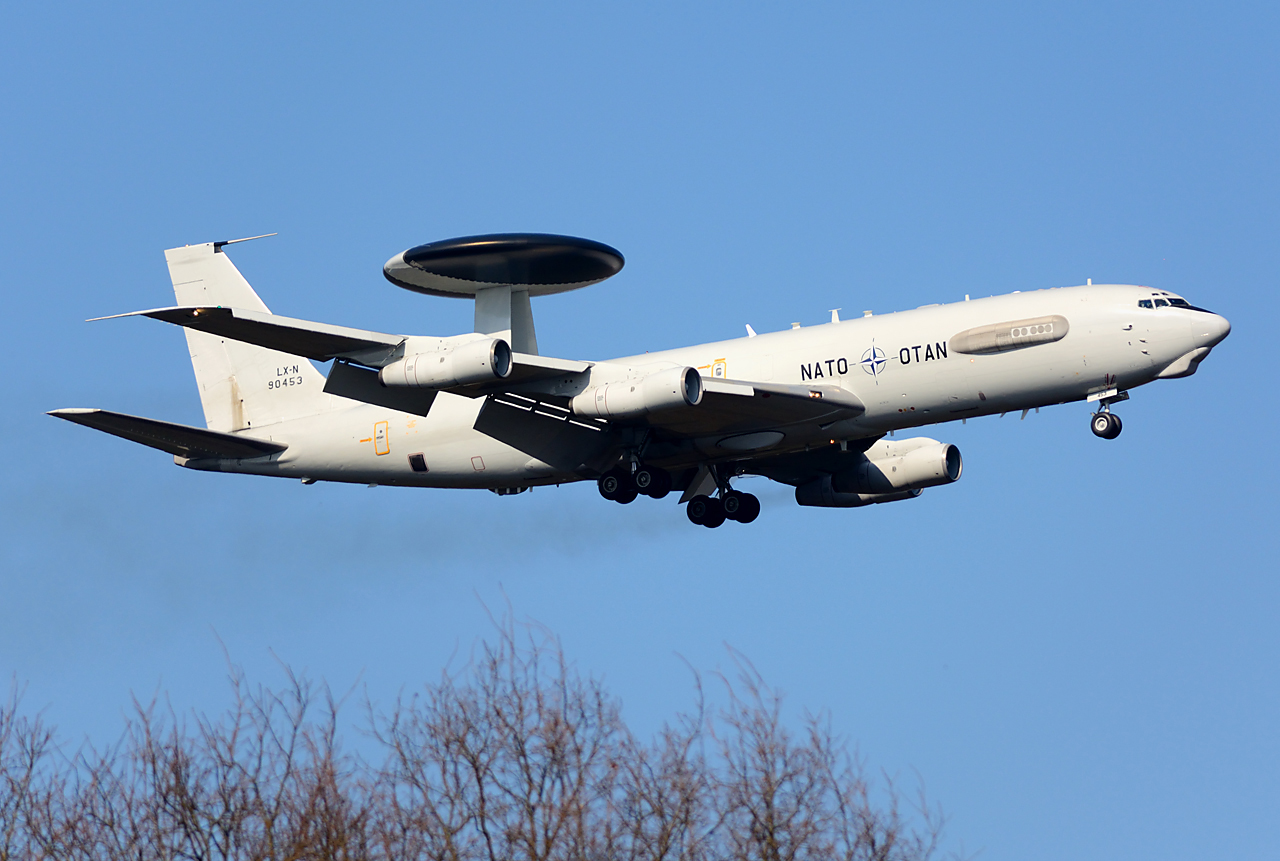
x=1183, y=303
x=1173, y=301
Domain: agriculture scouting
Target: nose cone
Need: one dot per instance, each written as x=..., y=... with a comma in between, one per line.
x=1210, y=329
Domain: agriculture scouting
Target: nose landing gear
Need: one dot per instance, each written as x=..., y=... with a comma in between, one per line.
x=1106, y=424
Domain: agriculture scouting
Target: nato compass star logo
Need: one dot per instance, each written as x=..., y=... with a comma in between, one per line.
x=873, y=362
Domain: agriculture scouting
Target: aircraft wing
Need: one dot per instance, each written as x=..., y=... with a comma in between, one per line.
x=182, y=440
x=734, y=406
x=322, y=342
x=318, y=341
x=728, y=408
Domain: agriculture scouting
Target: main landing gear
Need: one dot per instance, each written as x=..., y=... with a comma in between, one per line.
x=622, y=485
x=711, y=511
x=729, y=505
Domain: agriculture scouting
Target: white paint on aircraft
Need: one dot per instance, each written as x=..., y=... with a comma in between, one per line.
x=813, y=407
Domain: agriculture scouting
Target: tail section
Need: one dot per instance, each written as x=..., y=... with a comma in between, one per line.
x=241, y=385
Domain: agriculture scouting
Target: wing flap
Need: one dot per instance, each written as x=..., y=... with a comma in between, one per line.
x=181, y=440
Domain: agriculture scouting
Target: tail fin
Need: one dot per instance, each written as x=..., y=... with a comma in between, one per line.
x=241, y=386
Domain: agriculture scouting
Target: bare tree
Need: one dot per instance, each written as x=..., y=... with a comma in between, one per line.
x=515, y=755
x=784, y=798
x=26, y=782
x=515, y=759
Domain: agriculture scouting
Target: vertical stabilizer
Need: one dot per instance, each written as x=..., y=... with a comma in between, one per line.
x=241, y=386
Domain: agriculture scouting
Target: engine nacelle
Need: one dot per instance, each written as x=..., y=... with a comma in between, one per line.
x=929, y=465
x=822, y=494
x=661, y=390
x=478, y=361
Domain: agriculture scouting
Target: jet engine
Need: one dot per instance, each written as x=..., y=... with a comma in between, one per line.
x=661, y=390
x=477, y=361
x=890, y=470
x=822, y=494
x=926, y=466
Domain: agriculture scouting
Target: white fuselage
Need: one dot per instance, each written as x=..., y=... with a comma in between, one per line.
x=902, y=366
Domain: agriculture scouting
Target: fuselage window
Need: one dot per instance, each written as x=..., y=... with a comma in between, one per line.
x=1144, y=303
x=1160, y=303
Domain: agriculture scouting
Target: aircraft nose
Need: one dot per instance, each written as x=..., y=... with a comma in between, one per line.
x=1211, y=330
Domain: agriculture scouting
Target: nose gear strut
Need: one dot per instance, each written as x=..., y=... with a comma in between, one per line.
x=1106, y=424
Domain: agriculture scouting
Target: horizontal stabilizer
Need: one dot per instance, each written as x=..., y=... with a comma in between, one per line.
x=181, y=440
x=318, y=341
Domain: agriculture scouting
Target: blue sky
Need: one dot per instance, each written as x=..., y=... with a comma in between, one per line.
x=1076, y=646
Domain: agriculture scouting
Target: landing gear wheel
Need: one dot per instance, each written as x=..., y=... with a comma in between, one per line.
x=1106, y=425
x=715, y=514
x=705, y=511
x=742, y=507
x=626, y=496
x=696, y=510
x=652, y=481
x=615, y=485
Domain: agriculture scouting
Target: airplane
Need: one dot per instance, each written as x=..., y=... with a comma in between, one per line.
x=815, y=407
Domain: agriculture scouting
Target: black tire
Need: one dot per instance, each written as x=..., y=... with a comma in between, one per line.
x=750, y=508
x=614, y=483
x=732, y=502
x=652, y=481
x=1116, y=426
x=643, y=478
x=697, y=509
x=1100, y=424
x=626, y=496
x=715, y=513
x=664, y=487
